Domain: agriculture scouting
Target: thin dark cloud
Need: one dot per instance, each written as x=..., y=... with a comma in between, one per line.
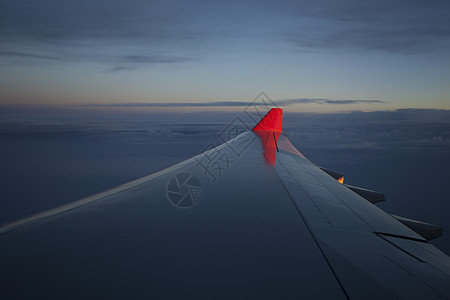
x=16, y=54
x=178, y=104
x=238, y=103
x=141, y=59
x=132, y=62
x=121, y=63
x=120, y=69
x=152, y=59
x=326, y=101
x=391, y=40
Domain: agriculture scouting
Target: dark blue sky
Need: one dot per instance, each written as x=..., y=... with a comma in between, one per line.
x=66, y=52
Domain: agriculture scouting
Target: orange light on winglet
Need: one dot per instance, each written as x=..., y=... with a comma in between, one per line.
x=269, y=130
x=341, y=180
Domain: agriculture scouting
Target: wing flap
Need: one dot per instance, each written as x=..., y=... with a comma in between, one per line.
x=369, y=195
x=426, y=230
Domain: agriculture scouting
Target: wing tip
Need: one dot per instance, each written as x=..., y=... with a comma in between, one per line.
x=272, y=121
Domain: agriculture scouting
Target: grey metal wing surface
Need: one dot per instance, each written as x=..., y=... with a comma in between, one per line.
x=252, y=218
x=372, y=254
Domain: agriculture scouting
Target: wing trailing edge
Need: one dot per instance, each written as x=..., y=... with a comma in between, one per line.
x=426, y=230
x=369, y=195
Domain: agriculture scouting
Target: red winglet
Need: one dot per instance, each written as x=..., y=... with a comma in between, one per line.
x=273, y=121
x=269, y=130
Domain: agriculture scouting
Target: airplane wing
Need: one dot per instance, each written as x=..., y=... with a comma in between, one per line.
x=250, y=218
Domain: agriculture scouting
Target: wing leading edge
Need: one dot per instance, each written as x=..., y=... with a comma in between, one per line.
x=250, y=218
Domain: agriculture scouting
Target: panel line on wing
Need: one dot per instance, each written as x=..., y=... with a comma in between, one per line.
x=333, y=193
x=299, y=189
x=415, y=276
x=401, y=249
x=339, y=214
x=312, y=233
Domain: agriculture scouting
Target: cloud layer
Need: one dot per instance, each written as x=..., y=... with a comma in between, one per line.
x=240, y=103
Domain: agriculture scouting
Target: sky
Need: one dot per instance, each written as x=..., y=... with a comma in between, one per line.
x=311, y=56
